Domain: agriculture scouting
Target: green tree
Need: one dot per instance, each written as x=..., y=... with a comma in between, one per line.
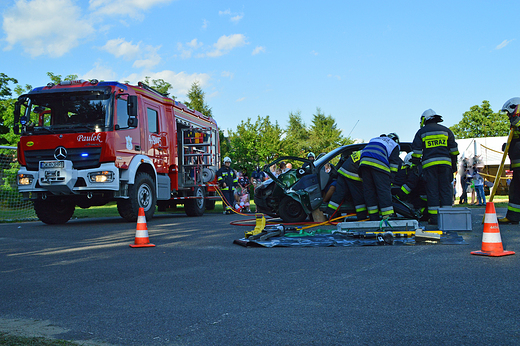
x=160, y=85
x=481, y=121
x=56, y=78
x=255, y=143
x=270, y=146
x=6, y=110
x=196, y=100
x=297, y=136
x=225, y=144
x=324, y=134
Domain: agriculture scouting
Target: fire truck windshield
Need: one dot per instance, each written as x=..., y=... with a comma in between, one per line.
x=83, y=111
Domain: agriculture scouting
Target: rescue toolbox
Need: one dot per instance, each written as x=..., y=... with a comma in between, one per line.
x=455, y=219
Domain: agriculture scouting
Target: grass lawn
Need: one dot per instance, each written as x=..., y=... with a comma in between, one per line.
x=110, y=210
x=500, y=201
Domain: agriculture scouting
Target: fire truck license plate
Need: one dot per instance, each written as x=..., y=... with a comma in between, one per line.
x=52, y=164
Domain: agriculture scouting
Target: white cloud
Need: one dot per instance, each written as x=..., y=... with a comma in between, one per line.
x=100, y=72
x=235, y=17
x=258, y=50
x=181, y=82
x=121, y=48
x=205, y=24
x=240, y=99
x=194, y=44
x=191, y=46
x=314, y=52
x=152, y=58
x=226, y=43
x=503, y=44
x=131, y=8
x=227, y=74
x=334, y=76
x=45, y=27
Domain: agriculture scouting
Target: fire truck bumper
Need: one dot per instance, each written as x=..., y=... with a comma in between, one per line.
x=60, y=178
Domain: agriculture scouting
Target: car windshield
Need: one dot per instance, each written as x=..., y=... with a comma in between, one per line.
x=84, y=111
x=327, y=157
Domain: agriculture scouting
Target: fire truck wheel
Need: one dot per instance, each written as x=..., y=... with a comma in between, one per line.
x=291, y=210
x=55, y=211
x=141, y=194
x=195, y=207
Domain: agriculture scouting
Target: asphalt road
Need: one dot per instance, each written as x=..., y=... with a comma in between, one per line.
x=82, y=281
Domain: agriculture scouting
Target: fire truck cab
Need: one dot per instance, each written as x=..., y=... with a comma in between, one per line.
x=87, y=143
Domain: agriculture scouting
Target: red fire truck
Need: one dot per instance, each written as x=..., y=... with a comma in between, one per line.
x=87, y=143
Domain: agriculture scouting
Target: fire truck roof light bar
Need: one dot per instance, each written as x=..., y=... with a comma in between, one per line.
x=72, y=82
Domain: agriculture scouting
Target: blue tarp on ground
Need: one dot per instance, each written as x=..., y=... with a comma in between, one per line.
x=341, y=239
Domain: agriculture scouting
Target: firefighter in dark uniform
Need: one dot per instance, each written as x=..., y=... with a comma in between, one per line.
x=435, y=148
x=512, y=109
x=378, y=164
x=227, y=181
x=349, y=185
x=408, y=186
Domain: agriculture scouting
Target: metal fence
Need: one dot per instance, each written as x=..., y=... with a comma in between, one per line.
x=12, y=205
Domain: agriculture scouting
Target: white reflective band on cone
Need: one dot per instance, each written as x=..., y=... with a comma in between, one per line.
x=490, y=218
x=491, y=238
x=141, y=234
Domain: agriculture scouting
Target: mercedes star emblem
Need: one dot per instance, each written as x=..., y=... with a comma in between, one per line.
x=60, y=153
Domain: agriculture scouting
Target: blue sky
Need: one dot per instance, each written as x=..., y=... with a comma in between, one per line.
x=377, y=64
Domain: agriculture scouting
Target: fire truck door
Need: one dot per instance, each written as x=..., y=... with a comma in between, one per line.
x=127, y=139
x=157, y=144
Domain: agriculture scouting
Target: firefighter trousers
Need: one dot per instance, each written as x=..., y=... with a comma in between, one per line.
x=439, y=188
x=229, y=196
x=348, y=189
x=377, y=192
x=513, y=207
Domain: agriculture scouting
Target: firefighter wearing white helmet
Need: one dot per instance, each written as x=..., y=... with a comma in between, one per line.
x=512, y=109
x=227, y=181
x=435, y=148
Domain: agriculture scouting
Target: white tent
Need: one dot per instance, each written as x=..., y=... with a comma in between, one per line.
x=489, y=149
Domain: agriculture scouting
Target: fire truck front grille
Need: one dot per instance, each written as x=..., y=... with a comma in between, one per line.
x=82, y=158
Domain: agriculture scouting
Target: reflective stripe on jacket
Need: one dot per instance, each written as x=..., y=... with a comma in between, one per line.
x=436, y=145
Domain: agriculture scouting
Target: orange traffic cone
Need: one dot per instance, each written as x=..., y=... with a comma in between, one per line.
x=141, y=232
x=491, y=240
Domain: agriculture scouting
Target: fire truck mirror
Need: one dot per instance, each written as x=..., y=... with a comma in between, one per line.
x=132, y=107
x=132, y=122
x=17, y=108
x=16, y=129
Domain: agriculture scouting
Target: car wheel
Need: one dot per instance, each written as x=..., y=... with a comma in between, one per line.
x=291, y=210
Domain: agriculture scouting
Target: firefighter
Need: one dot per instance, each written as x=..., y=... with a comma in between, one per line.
x=512, y=109
x=434, y=146
x=349, y=186
x=379, y=161
x=408, y=186
x=227, y=181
